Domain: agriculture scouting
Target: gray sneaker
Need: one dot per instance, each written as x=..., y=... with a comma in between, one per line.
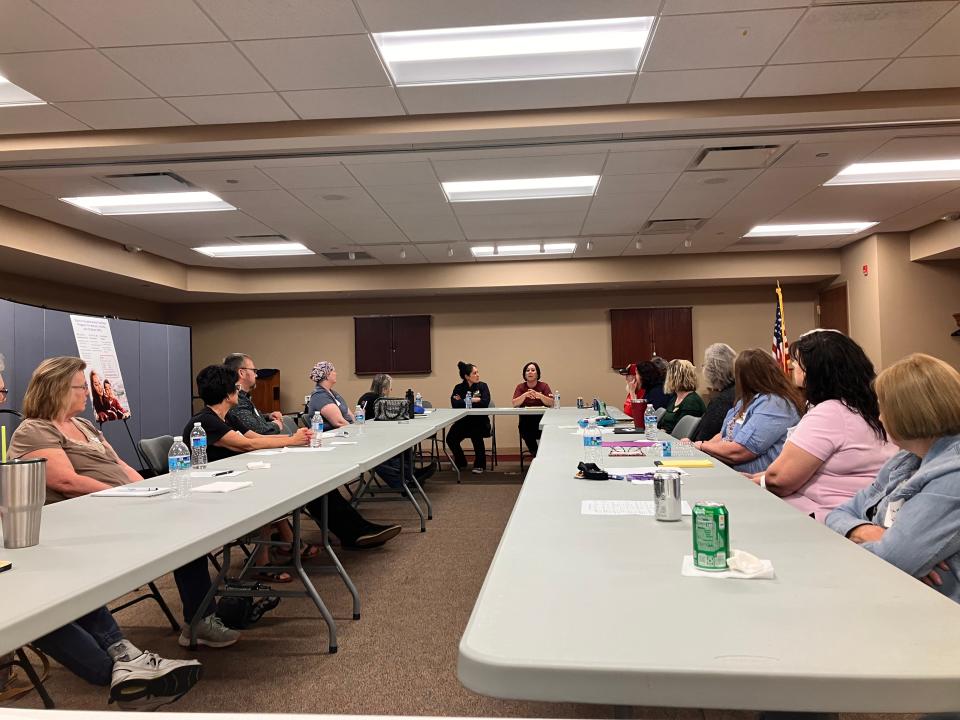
x=210, y=632
x=150, y=681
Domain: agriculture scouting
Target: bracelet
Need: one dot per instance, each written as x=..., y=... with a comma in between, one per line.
x=763, y=481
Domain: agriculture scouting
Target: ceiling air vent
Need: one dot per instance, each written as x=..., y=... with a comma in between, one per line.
x=259, y=239
x=737, y=158
x=682, y=226
x=149, y=182
x=345, y=256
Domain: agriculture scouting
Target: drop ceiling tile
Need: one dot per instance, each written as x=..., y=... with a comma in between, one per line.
x=522, y=207
x=917, y=148
x=262, y=19
x=654, y=244
x=388, y=15
x=517, y=95
x=205, y=69
x=519, y=167
x=691, y=7
x=285, y=214
x=11, y=188
x=416, y=212
x=345, y=102
x=238, y=179
x=649, y=161
x=242, y=108
x=338, y=201
x=862, y=202
x=392, y=173
x=481, y=227
x=630, y=184
x=922, y=214
x=111, y=114
x=390, y=254
x=776, y=189
x=195, y=227
x=684, y=85
x=695, y=196
x=337, y=61
x=439, y=252
x=366, y=231
x=70, y=75
x=941, y=39
x=828, y=153
x=814, y=78
x=609, y=246
x=111, y=23
x=57, y=185
x=26, y=28
x=430, y=228
x=607, y=217
x=859, y=32
x=688, y=42
x=36, y=118
x=406, y=193
x=312, y=176
x=783, y=245
x=909, y=73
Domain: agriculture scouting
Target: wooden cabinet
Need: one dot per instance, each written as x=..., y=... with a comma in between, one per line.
x=395, y=344
x=266, y=395
x=640, y=333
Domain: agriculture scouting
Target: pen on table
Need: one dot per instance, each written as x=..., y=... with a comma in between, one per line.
x=222, y=472
x=138, y=489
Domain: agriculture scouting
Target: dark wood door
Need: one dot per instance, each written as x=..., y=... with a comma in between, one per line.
x=372, y=344
x=673, y=333
x=411, y=344
x=632, y=333
x=832, y=309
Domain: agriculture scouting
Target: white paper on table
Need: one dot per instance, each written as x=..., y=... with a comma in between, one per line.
x=222, y=486
x=626, y=507
x=344, y=442
x=641, y=470
x=567, y=427
x=267, y=452
x=324, y=448
x=131, y=491
x=691, y=570
x=215, y=473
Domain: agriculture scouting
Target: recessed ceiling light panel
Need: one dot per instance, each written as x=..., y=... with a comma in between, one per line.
x=527, y=249
x=14, y=96
x=809, y=229
x=879, y=173
x=150, y=203
x=512, y=52
x=261, y=250
x=520, y=188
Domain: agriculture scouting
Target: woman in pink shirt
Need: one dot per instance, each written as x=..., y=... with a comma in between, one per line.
x=839, y=445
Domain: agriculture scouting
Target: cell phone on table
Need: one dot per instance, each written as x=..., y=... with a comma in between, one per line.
x=5, y=565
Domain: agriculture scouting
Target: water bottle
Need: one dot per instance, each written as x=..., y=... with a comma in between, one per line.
x=468, y=399
x=592, y=443
x=316, y=424
x=418, y=402
x=198, y=447
x=359, y=415
x=178, y=467
x=650, y=422
x=556, y=401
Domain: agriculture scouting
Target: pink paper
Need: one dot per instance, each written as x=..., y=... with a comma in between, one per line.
x=629, y=443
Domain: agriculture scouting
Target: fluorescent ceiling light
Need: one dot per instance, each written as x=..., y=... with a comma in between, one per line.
x=511, y=52
x=559, y=248
x=261, y=250
x=151, y=203
x=809, y=229
x=520, y=189
x=878, y=173
x=14, y=96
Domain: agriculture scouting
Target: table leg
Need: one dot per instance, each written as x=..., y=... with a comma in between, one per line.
x=325, y=534
x=446, y=451
x=305, y=579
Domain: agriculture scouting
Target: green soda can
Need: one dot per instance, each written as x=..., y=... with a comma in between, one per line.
x=711, y=536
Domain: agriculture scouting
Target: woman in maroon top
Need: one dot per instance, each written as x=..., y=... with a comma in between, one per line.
x=531, y=393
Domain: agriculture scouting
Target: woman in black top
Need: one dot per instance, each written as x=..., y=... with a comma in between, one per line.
x=651, y=380
x=475, y=427
x=718, y=362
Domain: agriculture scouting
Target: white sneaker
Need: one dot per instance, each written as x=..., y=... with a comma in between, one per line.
x=150, y=681
x=210, y=632
x=477, y=471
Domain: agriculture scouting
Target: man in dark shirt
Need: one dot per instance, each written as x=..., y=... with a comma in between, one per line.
x=245, y=414
x=218, y=386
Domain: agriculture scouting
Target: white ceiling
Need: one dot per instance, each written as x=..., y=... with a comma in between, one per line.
x=107, y=64
x=111, y=64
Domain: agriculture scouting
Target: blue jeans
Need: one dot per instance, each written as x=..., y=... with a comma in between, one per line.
x=81, y=646
x=389, y=471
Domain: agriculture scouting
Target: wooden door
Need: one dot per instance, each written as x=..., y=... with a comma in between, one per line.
x=372, y=344
x=632, y=334
x=673, y=333
x=411, y=345
x=832, y=309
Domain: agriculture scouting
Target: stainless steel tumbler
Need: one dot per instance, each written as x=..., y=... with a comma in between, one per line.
x=666, y=495
x=23, y=488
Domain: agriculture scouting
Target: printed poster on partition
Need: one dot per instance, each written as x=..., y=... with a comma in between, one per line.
x=95, y=345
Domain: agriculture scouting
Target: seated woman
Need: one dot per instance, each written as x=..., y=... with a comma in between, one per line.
x=652, y=379
x=840, y=445
x=217, y=387
x=635, y=389
x=532, y=392
x=331, y=405
x=475, y=427
x=682, y=384
x=93, y=646
x=391, y=470
x=910, y=515
x=755, y=428
x=718, y=372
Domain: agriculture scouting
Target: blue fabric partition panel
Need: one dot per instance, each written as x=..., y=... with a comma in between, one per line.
x=154, y=360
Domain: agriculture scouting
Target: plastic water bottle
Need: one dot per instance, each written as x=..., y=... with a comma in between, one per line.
x=592, y=443
x=178, y=466
x=556, y=401
x=316, y=424
x=359, y=415
x=418, y=402
x=198, y=447
x=650, y=423
x=468, y=400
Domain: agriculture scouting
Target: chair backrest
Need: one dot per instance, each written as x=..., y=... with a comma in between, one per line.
x=685, y=427
x=426, y=404
x=289, y=424
x=155, y=451
x=661, y=412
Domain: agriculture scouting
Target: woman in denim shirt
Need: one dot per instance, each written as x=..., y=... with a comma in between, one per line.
x=755, y=428
x=910, y=516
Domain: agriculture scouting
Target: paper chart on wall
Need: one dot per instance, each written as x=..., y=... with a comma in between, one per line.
x=106, y=389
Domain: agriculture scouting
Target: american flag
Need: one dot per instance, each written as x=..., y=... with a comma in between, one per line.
x=780, y=344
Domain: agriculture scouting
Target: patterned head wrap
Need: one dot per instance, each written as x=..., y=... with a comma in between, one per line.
x=321, y=371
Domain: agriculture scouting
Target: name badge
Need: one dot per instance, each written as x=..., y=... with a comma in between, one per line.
x=890, y=516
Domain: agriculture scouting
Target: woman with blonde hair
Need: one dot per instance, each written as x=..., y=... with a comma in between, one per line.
x=718, y=362
x=681, y=384
x=910, y=515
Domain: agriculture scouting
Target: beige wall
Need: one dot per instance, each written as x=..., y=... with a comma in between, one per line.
x=568, y=334
x=863, y=294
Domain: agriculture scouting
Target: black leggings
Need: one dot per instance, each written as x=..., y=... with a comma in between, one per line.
x=475, y=428
x=530, y=431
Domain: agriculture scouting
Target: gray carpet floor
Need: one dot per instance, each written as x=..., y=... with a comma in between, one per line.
x=400, y=658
